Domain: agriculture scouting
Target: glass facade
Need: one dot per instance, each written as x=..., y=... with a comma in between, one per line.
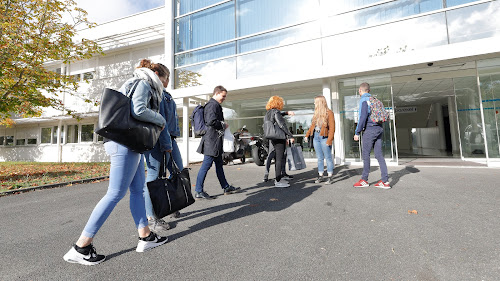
x=245, y=38
x=489, y=77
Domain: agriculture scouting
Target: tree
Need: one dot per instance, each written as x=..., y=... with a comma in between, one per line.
x=32, y=33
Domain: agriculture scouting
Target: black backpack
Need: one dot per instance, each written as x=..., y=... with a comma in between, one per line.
x=198, y=121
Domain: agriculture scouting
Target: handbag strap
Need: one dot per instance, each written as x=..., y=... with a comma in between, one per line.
x=164, y=164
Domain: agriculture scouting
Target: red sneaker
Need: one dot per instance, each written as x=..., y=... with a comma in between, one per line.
x=361, y=183
x=384, y=185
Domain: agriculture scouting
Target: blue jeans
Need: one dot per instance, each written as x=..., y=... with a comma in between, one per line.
x=205, y=166
x=126, y=172
x=323, y=152
x=153, y=165
x=372, y=138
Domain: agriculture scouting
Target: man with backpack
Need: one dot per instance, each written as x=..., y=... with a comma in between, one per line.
x=211, y=143
x=372, y=114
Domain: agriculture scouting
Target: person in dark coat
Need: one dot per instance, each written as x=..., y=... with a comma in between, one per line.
x=211, y=144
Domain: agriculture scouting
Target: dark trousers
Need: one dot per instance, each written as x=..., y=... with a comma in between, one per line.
x=205, y=166
x=270, y=157
x=372, y=138
x=279, y=148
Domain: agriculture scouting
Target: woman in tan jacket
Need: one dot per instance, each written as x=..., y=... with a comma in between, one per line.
x=322, y=129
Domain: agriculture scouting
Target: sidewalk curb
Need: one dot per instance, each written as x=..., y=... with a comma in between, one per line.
x=28, y=189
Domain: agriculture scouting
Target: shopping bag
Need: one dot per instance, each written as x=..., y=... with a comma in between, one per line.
x=170, y=195
x=295, y=158
x=228, y=144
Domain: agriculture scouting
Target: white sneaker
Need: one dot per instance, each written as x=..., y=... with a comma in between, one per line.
x=90, y=258
x=281, y=183
x=153, y=240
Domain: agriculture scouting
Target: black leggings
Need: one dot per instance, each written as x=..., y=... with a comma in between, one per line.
x=279, y=147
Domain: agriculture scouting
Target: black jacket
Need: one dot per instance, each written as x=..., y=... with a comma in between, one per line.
x=276, y=116
x=211, y=142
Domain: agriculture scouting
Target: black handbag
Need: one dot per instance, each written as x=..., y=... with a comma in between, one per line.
x=272, y=130
x=117, y=123
x=170, y=195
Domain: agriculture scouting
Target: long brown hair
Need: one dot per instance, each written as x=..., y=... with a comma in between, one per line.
x=320, y=111
x=162, y=70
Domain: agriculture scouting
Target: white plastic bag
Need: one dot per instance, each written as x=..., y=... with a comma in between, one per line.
x=228, y=144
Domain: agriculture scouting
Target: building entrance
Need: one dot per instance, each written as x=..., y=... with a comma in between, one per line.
x=422, y=110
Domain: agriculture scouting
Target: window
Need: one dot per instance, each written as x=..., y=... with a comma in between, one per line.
x=32, y=141
x=9, y=140
x=20, y=141
x=75, y=77
x=72, y=135
x=450, y=3
x=2, y=138
x=88, y=75
x=205, y=28
x=54, y=135
x=186, y=6
x=46, y=134
x=87, y=133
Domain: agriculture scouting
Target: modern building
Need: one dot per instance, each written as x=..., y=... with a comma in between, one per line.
x=435, y=64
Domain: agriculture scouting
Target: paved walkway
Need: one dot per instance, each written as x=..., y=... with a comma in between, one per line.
x=435, y=224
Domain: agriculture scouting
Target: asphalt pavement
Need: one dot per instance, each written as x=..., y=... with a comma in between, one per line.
x=434, y=224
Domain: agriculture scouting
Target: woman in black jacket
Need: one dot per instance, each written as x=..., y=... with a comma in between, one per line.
x=273, y=114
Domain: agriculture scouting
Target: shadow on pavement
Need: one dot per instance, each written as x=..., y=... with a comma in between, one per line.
x=260, y=198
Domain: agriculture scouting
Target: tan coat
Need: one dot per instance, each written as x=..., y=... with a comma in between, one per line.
x=327, y=130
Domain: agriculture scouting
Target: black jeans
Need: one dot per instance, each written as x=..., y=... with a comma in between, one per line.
x=279, y=147
x=270, y=157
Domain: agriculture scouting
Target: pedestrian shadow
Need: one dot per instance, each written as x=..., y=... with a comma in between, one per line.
x=396, y=176
x=259, y=198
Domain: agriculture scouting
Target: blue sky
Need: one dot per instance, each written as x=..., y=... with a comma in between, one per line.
x=101, y=11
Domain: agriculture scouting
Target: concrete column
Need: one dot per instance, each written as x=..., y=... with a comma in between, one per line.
x=327, y=93
x=453, y=126
x=185, y=131
x=440, y=120
x=169, y=41
x=339, y=156
x=59, y=144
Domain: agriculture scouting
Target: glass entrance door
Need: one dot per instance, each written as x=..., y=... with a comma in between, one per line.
x=349, y=102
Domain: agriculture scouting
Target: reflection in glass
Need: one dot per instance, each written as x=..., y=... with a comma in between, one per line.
x=474, y=22
x=186, y=6
x=291, y=58
x=489, y=76
x=208, y=73
x=261, y=15
x=87, y=133
x=399, y=37
x=451, y=3
x=378, y=14
x=46, y=134
x=342, y=6
x=281, y=37
x=349, y=104
x=216, y=52
x=204, y=28
x=469, y=117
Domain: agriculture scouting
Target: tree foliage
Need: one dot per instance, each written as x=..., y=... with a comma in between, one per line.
x=32, y=33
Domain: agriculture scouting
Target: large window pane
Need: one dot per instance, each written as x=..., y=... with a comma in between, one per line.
x=451, y=3
x=207, y=73
x=404, y=36
x=261, y=15
x=380, y=87
x=87, y=133
x=341, y=6
x=469, y=117
x=72, y=135
x=474, y=22
x=205, y=54
x=46, y=135
x=293, y=58
x=378, y=14
x=186, y=6
x=205, y=28
x=489, y=75
x=281, y=37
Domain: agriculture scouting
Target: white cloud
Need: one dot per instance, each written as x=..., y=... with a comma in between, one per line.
x=101, y=11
